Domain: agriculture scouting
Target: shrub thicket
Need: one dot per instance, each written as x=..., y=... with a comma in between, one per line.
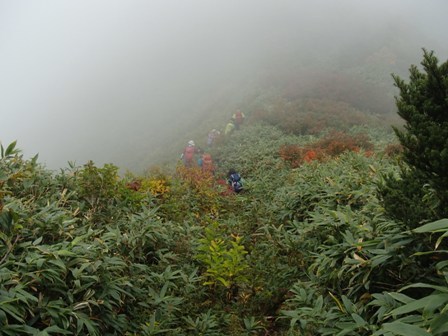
x=304, y=251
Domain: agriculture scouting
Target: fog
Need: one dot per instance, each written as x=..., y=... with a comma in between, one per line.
x=114, y=81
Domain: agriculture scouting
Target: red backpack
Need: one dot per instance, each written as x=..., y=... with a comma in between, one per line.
x=238, y=117
x=189, y=153
x=207, y=162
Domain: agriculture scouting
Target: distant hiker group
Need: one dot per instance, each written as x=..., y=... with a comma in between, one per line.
x=193, y=156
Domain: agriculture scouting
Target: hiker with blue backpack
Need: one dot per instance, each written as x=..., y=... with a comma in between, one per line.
x=235, y=181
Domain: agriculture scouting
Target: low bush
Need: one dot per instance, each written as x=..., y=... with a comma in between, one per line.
x=331, y=145
x=311, y=116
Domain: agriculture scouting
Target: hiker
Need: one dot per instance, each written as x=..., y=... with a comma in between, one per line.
x=229, y=128
x=238, y=119
x=206, y=164
x=212, y=136
x=188, y=154
x=235, y=181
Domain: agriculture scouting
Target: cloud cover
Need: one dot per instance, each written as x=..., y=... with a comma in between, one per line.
x=108, y=80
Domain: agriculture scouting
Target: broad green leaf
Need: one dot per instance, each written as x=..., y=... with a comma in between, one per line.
x=439, y=325
x=442, y=289
x=434, y=300
x=56, y=330
x=378, y=260
x=401, y=297
x=223, y=281
x=2, y=317
x=404, y=329
x=76, y=240
x=360, y=322
x=65, y=253
x=439, y=240
x=429, y=252
x=436, y=226
x=347, y=304
x=10, y=149
x=11, y=310
x=442, y=264
x=34, y=159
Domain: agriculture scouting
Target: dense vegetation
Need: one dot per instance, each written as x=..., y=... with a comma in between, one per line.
x=327, y=239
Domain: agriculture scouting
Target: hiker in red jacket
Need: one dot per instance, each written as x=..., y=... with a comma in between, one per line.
x=188, y=154
x=238, y=119
x=206, y=163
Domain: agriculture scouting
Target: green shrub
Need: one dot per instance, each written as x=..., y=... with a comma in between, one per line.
x=423, y=103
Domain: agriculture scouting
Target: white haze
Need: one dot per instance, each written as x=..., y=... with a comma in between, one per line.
x=111, y=80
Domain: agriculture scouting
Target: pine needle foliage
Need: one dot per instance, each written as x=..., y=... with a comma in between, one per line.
x=423, y=104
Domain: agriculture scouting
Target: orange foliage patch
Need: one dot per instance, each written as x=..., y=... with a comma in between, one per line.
x=368, y=153
x=310, y=156
x=195, y=178
x=338, y=142
x=204, y=188
x=134, y=185
x=292, y=154
x=334, y=144
x=297, y=155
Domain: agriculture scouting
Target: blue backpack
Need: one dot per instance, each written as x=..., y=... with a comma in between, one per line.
x=235, y=182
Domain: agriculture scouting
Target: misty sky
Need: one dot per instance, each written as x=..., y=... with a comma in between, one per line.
x=108, y=79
